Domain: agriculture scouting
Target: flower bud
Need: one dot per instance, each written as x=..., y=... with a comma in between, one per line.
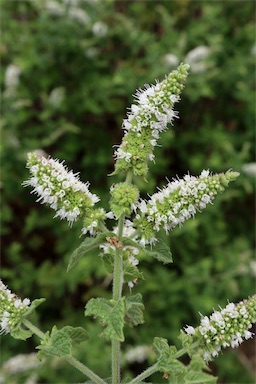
x=124, y=198
x=92, y=221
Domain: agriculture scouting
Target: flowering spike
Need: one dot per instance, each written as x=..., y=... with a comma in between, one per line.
x=147, y=119
x=179, y=201
x=12, y=309
x=59, y=188
x=228, y=327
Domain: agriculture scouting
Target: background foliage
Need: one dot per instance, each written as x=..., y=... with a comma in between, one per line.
x=77, y=64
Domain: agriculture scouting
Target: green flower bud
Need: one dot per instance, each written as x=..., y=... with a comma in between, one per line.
x=124, y=198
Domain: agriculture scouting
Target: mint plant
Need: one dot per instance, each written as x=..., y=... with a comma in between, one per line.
x=135, y=233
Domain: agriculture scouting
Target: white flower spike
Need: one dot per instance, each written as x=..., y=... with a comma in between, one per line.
x=59, y=188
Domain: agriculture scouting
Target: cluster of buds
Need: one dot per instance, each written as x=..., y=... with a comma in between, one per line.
x=12, y=308
x=124, y=198
x=178, y=202
x=59, y=188
x=228, y=327
x=147, y=119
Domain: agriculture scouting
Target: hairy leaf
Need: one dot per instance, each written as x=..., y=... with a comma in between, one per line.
x=87, y=245
x=21, y=334
x=111, y=314
x=58, y=343
x=199, y=378
x=161, y=252
x=134, y=310
x=77, y=334
x=131, y=272
x=166, y=356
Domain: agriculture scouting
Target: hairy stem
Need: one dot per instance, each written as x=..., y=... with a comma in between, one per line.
x=148, y=372
x=117, y=293
x=70, y=359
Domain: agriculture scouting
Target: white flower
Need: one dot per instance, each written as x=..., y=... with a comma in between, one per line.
x=171, y=60
x=99, y=29
x=12, y=75
x=190, y=330
x=196, y=58
x=59, y=188
x=21, y=363
x=137, y=354
x=249, y=169
x=224, y=328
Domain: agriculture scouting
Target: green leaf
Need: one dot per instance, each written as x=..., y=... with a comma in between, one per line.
x=58, y=344
x=161, y=252
x=160, y=345
x=35, y=303
x=77, y=334
x=111, y=314
x=128, y=241
x=86, y=246
x=21, y=334
x=108, y=261
x=166, y=356
x=199, y=378
x=134, y=310
x=131, y=272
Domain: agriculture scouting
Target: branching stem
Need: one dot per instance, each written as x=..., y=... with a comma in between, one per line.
x=70, y=359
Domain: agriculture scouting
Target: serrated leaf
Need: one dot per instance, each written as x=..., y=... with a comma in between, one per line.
x=134, y=310
x=161, y=252
x=58, y=344
x=87, y=245
x=77, y=334
x=199, y=378
x=111, y=315
x=35, y=303
x=160, y=345
x=166, y=356
x=131, y=272
x=21, y=334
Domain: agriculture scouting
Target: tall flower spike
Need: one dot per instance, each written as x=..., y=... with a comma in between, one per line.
x=59, y=188
x=179, y=201
x=147, y=119
x=228, y=327
x=12, y=309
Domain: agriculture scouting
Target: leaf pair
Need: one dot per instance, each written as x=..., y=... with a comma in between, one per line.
x=160, y=251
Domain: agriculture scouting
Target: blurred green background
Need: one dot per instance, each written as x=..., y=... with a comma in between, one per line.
x=69, y=70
